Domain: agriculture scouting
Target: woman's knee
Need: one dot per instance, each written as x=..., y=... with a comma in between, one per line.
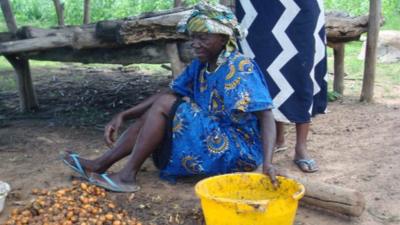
x=165, y=102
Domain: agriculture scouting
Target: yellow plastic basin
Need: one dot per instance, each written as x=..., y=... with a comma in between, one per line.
x=248, y=199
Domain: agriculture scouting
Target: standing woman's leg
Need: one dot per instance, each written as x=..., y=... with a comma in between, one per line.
x=280, y=144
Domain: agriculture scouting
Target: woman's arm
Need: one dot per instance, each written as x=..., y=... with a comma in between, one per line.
x=136, y=111
x=139, y=109
x=268, y=137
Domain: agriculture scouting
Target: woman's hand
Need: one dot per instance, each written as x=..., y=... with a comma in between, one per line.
x=111, y=129
x=271, y=172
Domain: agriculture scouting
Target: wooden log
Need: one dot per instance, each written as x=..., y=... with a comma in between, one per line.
x=367, y=91
x=60, y=12
x=6, y=36
x=338, y=70
x=343, y=28
x=154, y=53
x=108, y=29
x=27, y=32
x=332, y=198
x=145, y=53
x=150, y=29
x=44, y=39
x=340, y=27
x=36, y=44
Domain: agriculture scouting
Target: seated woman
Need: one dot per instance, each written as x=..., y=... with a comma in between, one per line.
x=216, y=118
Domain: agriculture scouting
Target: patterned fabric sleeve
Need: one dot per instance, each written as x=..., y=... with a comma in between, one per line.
x=183, y=84
x=245, y=88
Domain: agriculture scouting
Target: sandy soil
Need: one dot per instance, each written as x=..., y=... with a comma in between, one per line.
x=355, y=144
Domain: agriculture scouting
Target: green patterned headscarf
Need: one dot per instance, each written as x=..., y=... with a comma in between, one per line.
x=215, y=19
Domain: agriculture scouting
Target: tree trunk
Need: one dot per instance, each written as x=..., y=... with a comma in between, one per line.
x=367, y=91
x=338, y=71
x=177, y=3
x=86, y=12
x=27, y=96
x=60, y=12
x=9, y=16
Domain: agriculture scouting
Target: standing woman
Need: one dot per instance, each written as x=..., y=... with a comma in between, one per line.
x=287, y=39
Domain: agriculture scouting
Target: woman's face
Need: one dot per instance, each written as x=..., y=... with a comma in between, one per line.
x=207, y=47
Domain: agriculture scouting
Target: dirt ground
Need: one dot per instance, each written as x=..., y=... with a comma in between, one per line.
x=355, y=144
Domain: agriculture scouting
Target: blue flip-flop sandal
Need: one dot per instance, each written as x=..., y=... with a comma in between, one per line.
x=310, y=163
x=110, y=185
x=77, y=167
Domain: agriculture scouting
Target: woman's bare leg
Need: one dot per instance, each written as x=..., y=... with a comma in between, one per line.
x=302, y=130
x=149, y=138
x=121, y=149
x=301, y=140
x=280, y=134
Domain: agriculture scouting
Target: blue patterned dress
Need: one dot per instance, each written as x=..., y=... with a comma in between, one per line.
x=215, y=130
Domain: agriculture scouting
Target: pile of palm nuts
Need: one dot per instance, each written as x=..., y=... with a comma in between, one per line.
x=82, y=204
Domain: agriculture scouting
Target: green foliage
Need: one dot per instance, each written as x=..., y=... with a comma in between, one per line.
x=360, y=7
x=333, y=96
x=390, y=10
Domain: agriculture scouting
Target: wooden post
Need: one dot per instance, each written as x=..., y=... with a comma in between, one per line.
x=177, y=65
x=28, y=100
x=60, y=12
x=86, y=12
x=338, y=70
x=367, y=91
